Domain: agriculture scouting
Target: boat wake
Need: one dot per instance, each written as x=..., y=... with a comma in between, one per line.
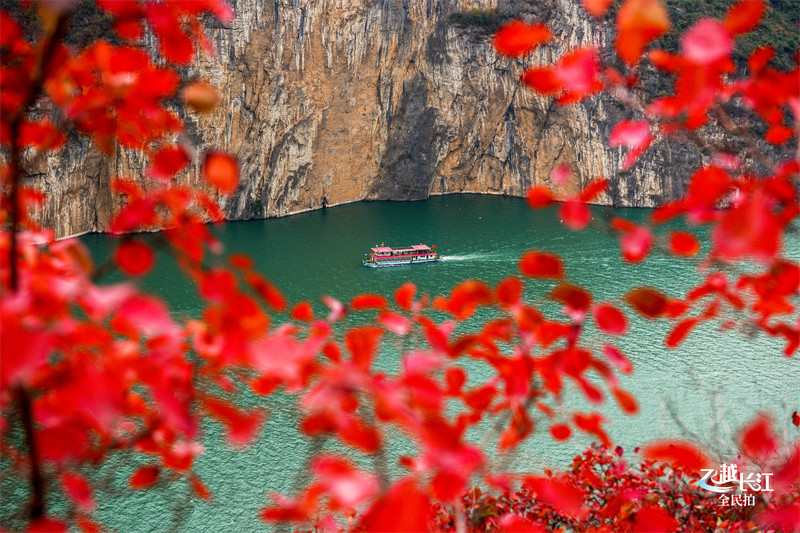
x=473, y=257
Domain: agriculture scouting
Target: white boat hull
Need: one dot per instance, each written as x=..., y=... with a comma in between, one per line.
x=398, y=263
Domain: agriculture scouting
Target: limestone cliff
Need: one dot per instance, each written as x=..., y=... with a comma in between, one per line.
x=332, y=101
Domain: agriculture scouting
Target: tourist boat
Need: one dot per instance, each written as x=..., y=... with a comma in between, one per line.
x=387, y=256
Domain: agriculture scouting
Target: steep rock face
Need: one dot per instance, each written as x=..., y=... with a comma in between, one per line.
x=332, y=101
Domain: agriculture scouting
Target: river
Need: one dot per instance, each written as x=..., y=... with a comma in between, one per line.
x=712, y=377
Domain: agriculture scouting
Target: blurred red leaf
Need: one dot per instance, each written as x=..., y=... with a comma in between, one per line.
x=744, y=16
x=560, y=432
x=610, y=319
x=559, y=494
x=404, y=494
x=539, y=197
x=222, y=171
x=168, y=161
x=706, y=42
x=144, y=477
x=684, y=244
x=654, y=519
x=757, y=439
x=537, y=264
x=597, y=8
x=79, y=490
x=680, y=331
x=362, y=343
x=364, y=302
x=575, y=214
x=303, y=312
x=679, y=454
x=638, y=23
x=517, y=38
x=649, y=302
x=134, y=258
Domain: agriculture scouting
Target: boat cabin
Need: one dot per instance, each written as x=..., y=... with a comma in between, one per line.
x=384, y=255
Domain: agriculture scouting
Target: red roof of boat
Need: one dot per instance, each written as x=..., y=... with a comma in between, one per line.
x=382, y=249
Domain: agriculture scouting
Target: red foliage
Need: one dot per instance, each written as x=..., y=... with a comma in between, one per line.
x=91, y=367
x=518, y=39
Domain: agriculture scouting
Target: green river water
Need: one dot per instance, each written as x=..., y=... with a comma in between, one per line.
x=712, y=376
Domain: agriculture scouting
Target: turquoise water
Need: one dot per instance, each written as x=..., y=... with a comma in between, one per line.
x=722, y=377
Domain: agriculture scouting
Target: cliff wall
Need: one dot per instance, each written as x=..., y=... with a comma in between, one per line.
x=332, y=101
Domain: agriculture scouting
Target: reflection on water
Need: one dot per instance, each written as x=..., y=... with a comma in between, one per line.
x=318, y=253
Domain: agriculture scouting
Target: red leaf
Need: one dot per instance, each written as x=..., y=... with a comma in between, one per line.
x=638, y=23
x=572, y=296
x=455, y=378
x=590, y=423
x=364, y=302
x=200, y=488
x=362, y=343
x=750, y=229
x=87, y=526
x=144, y=477
x=610, y=319
x=560, y=175
x=593, y=189
x=268, y=292
x=706, y=42
x=201, y=96
x=648, y=302
x=480, y=398
x=542, y=80
x=779, y=135
x=684, y=243
x=383, y=515
x=630, y=133
x=40, y=135
x=404, y=295
x=303, y=312
x=168, y=161
x=679, y=454
x=46, y=525
x=222, y=171
x=537, y=264
x=617, y=358
x=539, y=197
x=134, y=258
x=575, y=214
x=394, y=322
x=597, y=8
x=680, y=331
x=626, y=401
x=517, y=38
x=636, y=244
x=509, y=291
x=744, y=16
x=174, y=43
x=465, y=298
x=560, y=495
x=757, y=439
x=79, y=490
x=242, y=427
x=560, y=432
x=654, y=519
x=796, y=419
x=579, y=75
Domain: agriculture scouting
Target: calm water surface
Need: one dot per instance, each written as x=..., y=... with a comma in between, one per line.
x=713, y=376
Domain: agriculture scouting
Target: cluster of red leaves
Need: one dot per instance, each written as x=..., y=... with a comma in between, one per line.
x=89, y=369
x=430, y=398
x=602, y=492
x=748, y=212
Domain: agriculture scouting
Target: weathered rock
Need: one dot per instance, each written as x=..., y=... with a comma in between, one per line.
x=332, y=101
